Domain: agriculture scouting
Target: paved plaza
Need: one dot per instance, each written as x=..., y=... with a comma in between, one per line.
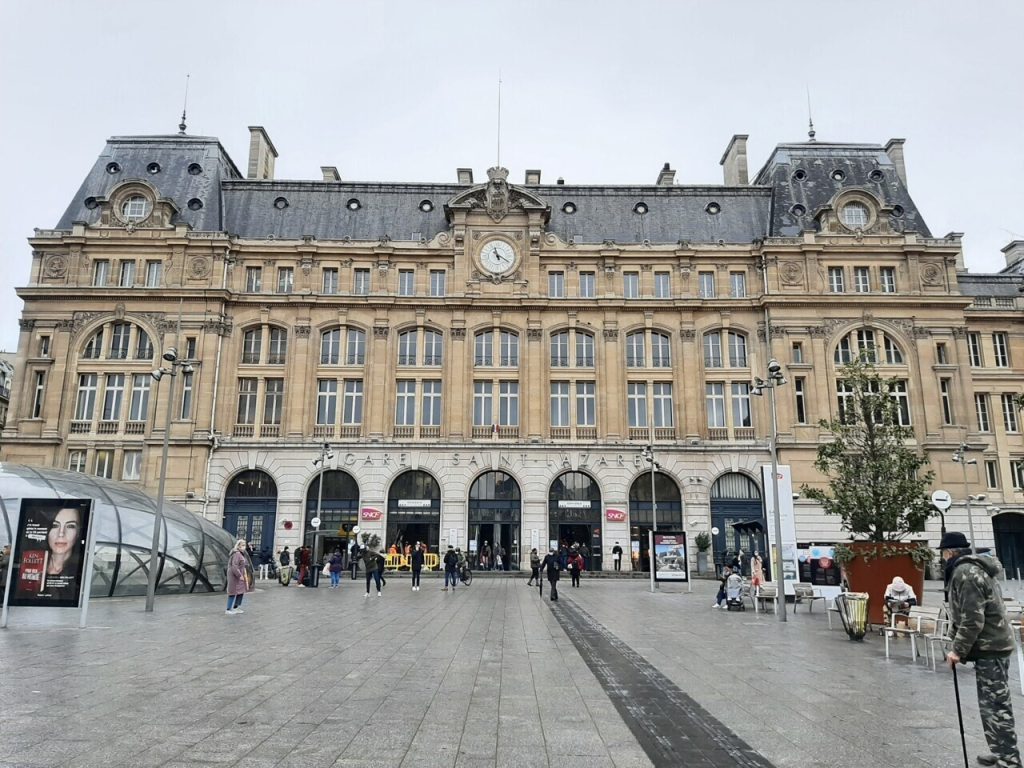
x=490, y=675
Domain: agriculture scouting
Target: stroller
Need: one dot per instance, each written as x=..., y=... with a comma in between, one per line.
x=734, y=593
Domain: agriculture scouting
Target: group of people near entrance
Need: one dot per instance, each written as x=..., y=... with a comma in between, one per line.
x=552, y=565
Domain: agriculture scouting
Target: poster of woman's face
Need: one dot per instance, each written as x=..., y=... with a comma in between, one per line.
x=49, y=552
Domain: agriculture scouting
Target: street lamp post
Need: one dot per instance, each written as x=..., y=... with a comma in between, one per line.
x=775, y=379
x=169, y=368
x=647, y=454
x=321, y=461
x=959, y=458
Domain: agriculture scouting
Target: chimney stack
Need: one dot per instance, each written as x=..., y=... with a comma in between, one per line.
x=894, y=149
x=666, y=176
x=261, y=154
x=1014, y=252
x=465, y=175
x=533, y=177
x=734, y=161
x=330, y=173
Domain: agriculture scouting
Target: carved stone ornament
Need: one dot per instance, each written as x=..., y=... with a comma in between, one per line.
x=199, y=267
x=791, y=273
x=56, y=266
x=26, y=325
x=921, y=333
x=302, y=331
x=932, y=274
x=119, y=310
x=380, y=331
x=221, y=327
x=610, y=334
x=534, y=334
x=458, y=333
x=497, y=193
x=959, y=332
x=688, y=334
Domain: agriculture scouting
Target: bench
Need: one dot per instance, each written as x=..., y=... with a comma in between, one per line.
x=805, y=593
x=765, y=593
x=915, y=628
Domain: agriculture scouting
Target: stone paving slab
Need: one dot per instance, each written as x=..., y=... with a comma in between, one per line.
x=484, y=676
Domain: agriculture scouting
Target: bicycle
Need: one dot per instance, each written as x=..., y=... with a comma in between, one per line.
x=466, y=575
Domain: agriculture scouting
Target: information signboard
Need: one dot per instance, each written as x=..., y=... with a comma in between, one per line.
x=670, y=562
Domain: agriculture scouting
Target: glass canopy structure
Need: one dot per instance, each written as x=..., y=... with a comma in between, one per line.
x=193, y=552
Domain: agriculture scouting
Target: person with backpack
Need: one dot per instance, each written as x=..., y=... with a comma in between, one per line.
x=334, y=567
x=534, y=567
x=551, y=565
x=451, y=566
x=354, y=559
x=575, y=566
x=370, y=566
x=617, y=556
x=416, y=566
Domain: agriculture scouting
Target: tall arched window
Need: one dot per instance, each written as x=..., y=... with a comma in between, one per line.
x=874, y=345
x=637, y=344
x=572, y=348
x=725, y=349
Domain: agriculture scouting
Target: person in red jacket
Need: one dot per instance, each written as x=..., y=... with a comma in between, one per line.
x=575, y=566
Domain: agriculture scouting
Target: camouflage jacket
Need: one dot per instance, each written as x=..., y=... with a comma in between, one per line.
x=981, y=628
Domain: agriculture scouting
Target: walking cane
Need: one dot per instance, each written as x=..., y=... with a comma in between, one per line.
x=960, y=716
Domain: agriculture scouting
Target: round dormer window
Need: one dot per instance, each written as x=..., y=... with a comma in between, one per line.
x=135, y=208
x=855, y=215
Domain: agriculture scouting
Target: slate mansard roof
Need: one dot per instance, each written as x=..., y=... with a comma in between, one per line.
x=321, y=209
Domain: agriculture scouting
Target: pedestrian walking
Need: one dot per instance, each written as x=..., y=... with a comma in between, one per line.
x=617, y=556
x=354, y=559
x=416, y=564
x=551, y=565
x=585, y=552
x=240, y=577
x=534, y=567
x=451, y=565
x=982, y=634
x=334, y=566
x=575, y=567
x=370, y=566
x=285, y=558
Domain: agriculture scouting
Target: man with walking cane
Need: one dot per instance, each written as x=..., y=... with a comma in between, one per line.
x=982, y=634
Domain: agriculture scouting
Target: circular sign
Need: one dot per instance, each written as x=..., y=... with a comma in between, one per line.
x=942, y=500
x=824, y=562
x=714, y=530
x=355, y=529
x=315, y=522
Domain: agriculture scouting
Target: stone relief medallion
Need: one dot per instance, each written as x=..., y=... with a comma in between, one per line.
x=497, y=193
x=56, y=266
x=791, y=272
x=199, y=267
x=931, y=274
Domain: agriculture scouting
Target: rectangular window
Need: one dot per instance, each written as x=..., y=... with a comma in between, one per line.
x=588, y=285
x=866, y=344
x=738, y=285
x=661, y=351
x=1001, y=350
x=113, y=396
x=330, y=280
x=887, y=275
x=737, y=350
x=190, y=348
x=252, y=345
x=326, y=401
x=508, y=403
x=586, y=404
x=353, y=405
x=992, y=475
x=1009, y=413
x=361, y=281
x=285, y=279
x=559, y=403
x=1017, y=473
x=798, y=352
x=741, y=405
x=509, y=349
x=714, y=402
x=438, y=282
x=862, y=279
x=631, y=285
x=120, y=338
x=430, y=409
x=433, y=348
x=560, y=350
x=946, y=394
x=405, y=403
x=800, y=392
x=85, y=403
x=941, y=353
x=407, y=343
x=981, y=410
x=663, y=410
x=556, y=285
x=127, y=276
x=131, y=469
x=636, y=404
x=246, y=401
x=974, y=347
x=100, y=272
x=253, y=279
x=138, y=409
x=898, y=392
x=38, y=395
x=663, y=285
x=483, y=349
x=584, y=350
x=482, y=404
x=76, y=461
x=187, y=380
x=104, y=466
x=406, y=282
x=273, y=401
x=636, y=355
x=706, y=285
x=713, y=350
x=836, y=283
x=44, y=346
x=154, y=274
x=355, y=347
x=278, y=351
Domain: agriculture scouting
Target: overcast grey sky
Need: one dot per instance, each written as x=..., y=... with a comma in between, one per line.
x=595, y=92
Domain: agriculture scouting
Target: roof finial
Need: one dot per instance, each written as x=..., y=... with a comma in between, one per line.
x=810, y=119
x=181, y=125
x=498, y=164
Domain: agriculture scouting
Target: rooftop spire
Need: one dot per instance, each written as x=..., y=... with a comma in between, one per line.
x=810, y=119
x=181, y=125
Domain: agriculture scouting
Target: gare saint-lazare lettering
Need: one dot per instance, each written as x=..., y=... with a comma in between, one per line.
x=579, y=460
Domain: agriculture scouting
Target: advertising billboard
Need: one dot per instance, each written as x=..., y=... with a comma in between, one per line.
x=670, y=557
x=50, y=552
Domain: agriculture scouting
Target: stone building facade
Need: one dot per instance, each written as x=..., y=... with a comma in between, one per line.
x=486, y=359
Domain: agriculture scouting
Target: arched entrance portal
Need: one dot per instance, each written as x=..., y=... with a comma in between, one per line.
x=1009, y=530
x=641, y=513
x=574, y=514
x=494, y=511
x=250, y=508
x=414, y=511
x=736, y=498
x=339, y=512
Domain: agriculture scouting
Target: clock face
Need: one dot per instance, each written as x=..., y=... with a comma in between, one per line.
x=497, y=257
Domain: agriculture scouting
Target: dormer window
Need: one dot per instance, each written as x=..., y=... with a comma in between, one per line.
x=134, y=208
x=855, y=215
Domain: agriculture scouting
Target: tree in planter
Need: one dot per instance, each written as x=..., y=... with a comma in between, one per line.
x=703, y=542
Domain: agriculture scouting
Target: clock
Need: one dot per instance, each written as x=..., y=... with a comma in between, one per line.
x=497, y=257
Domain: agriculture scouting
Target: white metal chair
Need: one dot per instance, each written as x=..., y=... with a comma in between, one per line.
x=805, y=593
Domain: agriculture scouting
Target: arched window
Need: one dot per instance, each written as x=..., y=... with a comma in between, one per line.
x=735, y=486
x=582, y=344
x=127, y=341
x=355, y=346
x=407, y=347
x=433, y=348
x=636, y=356
x=134, y=208
x=721, y=347
x=252, y=345
x=330, y=347
x=507, y=343
x=866, y=343
x=636, y=350
x=278, y=352
x=661, y=350
x=252, y=483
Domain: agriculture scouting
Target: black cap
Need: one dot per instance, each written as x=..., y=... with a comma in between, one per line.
x=954, y=540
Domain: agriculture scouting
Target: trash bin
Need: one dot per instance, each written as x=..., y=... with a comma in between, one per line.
x=313, y=575
x=853, y=611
